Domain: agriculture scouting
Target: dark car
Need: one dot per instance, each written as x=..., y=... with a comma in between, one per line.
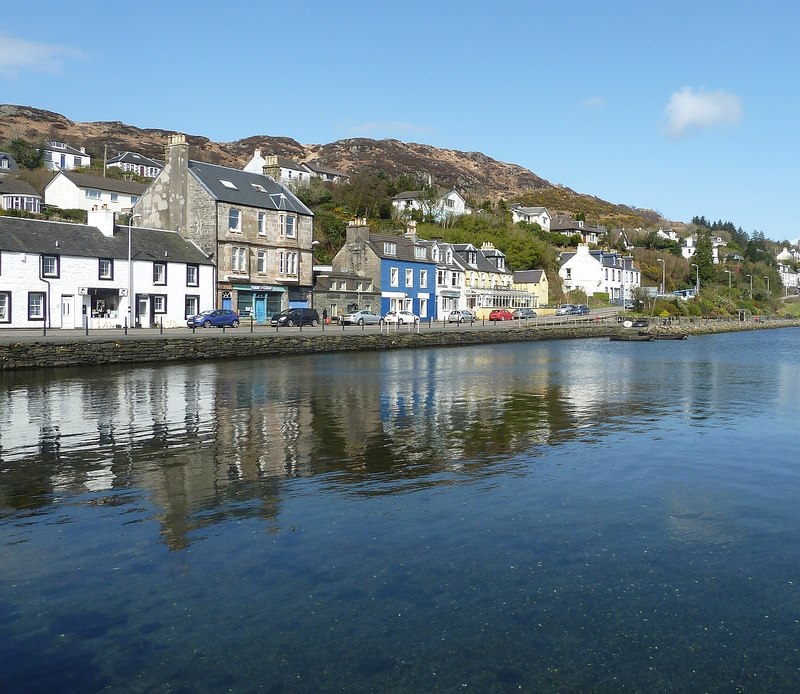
x=296, y=316
x=501, y=314
x=218, y=318
x=579, y=310
x=524, y=313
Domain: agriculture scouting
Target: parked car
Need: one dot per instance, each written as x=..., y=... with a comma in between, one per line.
x=363, y=317
x=501, y=314
x=296, y=316
x=579, y=310
x=400, y=317
x=463, y=316
x=564, y=310
x=217, y=318
x=524, y=313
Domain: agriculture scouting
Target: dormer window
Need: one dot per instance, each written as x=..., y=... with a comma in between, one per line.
x=449, y=256
x=58, y=145
x=419, y=252
x=389, y=248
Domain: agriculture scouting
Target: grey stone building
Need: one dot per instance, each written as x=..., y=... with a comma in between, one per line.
x=256, y=230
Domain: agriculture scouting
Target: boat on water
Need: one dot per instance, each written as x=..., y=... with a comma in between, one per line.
x=631, y=338
x=665, y=336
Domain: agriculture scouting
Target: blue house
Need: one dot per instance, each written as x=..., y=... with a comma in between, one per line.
x=400, y=267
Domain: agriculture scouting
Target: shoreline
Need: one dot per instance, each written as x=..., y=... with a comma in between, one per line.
x=70, y=351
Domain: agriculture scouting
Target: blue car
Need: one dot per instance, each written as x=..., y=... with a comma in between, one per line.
x=218, y=318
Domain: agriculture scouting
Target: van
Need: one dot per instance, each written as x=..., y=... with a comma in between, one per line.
x=296, y=316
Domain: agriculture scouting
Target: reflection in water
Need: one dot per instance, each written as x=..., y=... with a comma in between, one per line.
x=566, y=516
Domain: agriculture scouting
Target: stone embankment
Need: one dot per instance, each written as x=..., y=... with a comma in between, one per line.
x=42, y=353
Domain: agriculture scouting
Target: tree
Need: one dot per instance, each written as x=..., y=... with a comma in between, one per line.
x=703, y=256
x=27, y=154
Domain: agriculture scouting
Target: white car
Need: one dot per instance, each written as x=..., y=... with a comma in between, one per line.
x=463, y=316
x=401, y=317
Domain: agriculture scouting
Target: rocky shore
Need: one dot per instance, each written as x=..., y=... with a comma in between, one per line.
x=44, y=353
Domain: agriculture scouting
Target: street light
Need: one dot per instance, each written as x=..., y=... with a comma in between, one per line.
x=728, y=272
x=767, y=278
x=663, y=274
x=130, y=272
x=697, y=282
x=751, y=285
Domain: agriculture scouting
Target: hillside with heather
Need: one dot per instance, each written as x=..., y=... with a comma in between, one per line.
x=476, y=175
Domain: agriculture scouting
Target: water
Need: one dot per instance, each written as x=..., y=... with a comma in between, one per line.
x=565, y=516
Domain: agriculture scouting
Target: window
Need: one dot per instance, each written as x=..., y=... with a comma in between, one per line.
x=409, y=277
x=234, y=220
x=134, y=199
x=159, y=273
x=93, y=193
x=455, y=279
x=435, y=254
x=35, y=305
x=192, y=276
x=569, y=273
x=423, y=308
x=262, y=224
x=259, y=187
x=105, y=269
x=389, y=248
x=5, y=307
x=394, y=274
x=191, y=305
x=239, y=260
x=288, y=226
x=50, y=266
x=261, y=266
x=159, y=303
x=419, y=252
x=423, y=278
x=287, y=263
x=114, y=197
x=228, y=184
x=441, y=277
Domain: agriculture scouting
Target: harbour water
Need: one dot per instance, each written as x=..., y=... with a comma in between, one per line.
x=578, y=515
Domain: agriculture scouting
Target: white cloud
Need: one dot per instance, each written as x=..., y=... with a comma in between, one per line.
x=593, y=102
x=689, y=108
x=18, y=55
x=386, y=127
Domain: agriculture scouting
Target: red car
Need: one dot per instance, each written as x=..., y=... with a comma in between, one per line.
x=501, y=314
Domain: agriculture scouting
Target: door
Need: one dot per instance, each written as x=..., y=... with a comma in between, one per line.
x=67, y=311
x=260, y=309
x=227, y=302
x=142, y=319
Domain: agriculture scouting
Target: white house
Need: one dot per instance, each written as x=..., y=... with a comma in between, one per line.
x=16, y=194
x=67, y=275
x=325, y=173
x=8, y=165
x=689, y=247
x=59, y=156
x=450, y=203
x=531, y=215
x=77, y=191
x=132, y=162
x=599, y=272
x=282, y=169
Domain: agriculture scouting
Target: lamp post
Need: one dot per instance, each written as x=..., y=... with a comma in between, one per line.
x=130, y=272
x=697, y=281
x=663, y=274
x=728, y=272
x=767, y=278
x=751, y=285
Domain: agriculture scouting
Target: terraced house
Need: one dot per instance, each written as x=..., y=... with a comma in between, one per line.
x=256, y=230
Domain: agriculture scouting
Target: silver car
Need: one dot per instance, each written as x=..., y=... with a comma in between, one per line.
x=463, y=316
x=362, y=317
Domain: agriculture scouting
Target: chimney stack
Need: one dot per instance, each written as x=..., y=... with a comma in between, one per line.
x=104, y=220
x=271, y=167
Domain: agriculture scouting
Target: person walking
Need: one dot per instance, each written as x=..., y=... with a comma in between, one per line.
x=325, y=316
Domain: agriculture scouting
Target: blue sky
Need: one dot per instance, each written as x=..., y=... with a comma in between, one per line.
x=688, y=108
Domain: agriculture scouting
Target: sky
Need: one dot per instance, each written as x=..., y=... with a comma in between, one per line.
x=687, y=108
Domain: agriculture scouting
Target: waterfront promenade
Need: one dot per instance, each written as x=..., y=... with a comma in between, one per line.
x=29, y=349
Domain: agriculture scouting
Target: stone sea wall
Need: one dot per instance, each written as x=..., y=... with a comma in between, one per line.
x=132, y=349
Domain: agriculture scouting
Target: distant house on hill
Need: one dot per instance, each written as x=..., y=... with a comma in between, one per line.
x=281, y=169
x=589, y=234
x=70, y=190
x=531, y=215
x=325, y=173
x=60, y=156
x=8, y=165
x=132, y=162
x=599, y=271
x=449, y=203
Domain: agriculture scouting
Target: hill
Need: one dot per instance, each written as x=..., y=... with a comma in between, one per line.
x=476, y=175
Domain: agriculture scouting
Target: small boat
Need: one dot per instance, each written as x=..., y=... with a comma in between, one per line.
x=670, y=336
x=631, y=338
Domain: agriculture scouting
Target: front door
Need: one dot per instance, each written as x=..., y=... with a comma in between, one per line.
x=67, y=311
x=142, y=319
x=261, y=309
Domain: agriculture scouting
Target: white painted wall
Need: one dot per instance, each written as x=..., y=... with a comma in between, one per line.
x=21, y=275
x=63, y=193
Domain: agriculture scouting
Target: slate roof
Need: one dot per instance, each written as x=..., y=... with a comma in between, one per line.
x=12, y=163
x=251, y=189
x=483, y=264
x=404, y=245
x=563, y=224
x=16, y=186
x=21, y=235
x=319, y=168
x=605, y=258
x=528, y=276
x=135, y=158
x=50, y=146
x=115, y=185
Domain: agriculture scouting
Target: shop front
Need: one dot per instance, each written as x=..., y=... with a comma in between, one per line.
x=259, y=301
x=100, y=307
